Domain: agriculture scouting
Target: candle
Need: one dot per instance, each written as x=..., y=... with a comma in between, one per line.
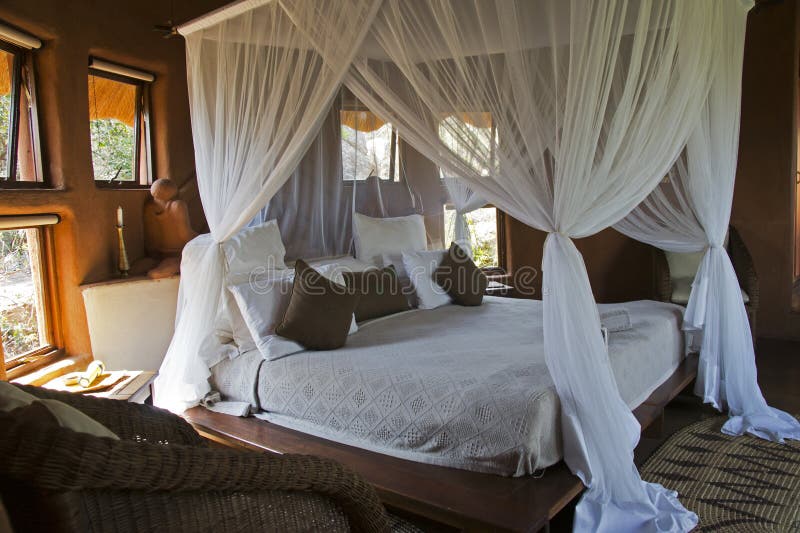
x=119, y=216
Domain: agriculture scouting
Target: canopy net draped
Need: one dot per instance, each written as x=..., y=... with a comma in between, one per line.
x=566, y=115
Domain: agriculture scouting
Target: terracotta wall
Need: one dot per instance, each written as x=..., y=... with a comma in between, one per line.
x=764, y=197
x=117, y=31
x=620, y=269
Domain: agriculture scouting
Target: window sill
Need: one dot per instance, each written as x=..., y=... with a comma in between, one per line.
x=383, y=182
x=495, y=273
x=28, y=372
x=116, y=186
x=6, y=185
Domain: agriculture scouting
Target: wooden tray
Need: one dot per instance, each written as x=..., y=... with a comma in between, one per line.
x=104, y=382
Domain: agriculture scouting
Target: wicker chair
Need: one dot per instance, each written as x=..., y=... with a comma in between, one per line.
x=162, y=477
x=742, y=264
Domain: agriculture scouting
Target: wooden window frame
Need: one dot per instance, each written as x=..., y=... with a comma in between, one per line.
x=502, y=261
x=141, y=134
x=51, y=351
x=22, y=67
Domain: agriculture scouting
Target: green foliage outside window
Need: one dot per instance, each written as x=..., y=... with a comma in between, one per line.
x=18, y=322
x=112, y=150
x=5, y=124
x=484, y=237
x=482, y=224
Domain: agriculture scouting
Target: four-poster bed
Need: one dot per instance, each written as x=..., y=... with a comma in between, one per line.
x=592, y=104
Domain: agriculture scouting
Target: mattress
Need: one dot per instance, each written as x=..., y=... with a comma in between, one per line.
x=462, y=387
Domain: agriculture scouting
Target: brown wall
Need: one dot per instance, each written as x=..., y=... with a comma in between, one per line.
x=764, y=196
x=620, y=269
x=118, y=31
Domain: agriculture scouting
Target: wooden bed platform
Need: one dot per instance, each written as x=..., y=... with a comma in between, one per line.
x=458, y=498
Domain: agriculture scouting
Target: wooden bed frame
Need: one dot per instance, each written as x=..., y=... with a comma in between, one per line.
x=460, y=499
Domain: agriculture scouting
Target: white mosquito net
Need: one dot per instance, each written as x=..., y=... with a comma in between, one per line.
x=357, y=164
x=566, y=115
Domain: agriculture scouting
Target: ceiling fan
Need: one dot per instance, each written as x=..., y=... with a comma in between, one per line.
x=168, y=29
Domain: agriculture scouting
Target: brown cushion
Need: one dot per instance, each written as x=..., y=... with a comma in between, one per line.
x=380, y=290
x=464, y=282
x=320, y=311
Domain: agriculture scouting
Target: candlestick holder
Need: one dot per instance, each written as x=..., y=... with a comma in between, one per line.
x=122, y=264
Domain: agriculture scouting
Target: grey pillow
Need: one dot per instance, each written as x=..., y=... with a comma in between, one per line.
x=12, y=397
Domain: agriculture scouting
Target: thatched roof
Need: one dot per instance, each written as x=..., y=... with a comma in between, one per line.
x=367, y=121
x=5, y=72
x=107, y=98
x=111, y=99
x=360, y=120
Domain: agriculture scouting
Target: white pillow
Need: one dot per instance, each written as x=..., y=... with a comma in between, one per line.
x=230, y=324
x=254, y=247
x=262, y=303
x=342, y=263
x=213, y=350
x=376, y=236
x=395, y=260
x=419, y=267
x=683, y=265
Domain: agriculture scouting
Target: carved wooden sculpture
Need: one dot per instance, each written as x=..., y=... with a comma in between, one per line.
x=167, y=228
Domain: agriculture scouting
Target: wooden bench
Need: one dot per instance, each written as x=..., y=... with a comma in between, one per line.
x=459, y=498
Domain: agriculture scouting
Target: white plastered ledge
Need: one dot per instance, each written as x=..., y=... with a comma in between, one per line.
x=131, y=321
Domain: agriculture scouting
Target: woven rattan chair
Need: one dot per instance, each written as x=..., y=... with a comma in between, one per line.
x=162, y=477
x=742, y=264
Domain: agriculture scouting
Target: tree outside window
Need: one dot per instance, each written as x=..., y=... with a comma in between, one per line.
x=119, y=130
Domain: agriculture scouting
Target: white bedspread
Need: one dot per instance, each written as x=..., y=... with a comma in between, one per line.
x=464, y=387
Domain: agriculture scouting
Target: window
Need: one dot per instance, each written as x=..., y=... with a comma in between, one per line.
x=20, y=162
x=473, y=138
x=370, y=147
x=119, y=126
x=25, y=301
x=483, y=226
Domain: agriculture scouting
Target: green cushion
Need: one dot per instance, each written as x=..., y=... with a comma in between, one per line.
x=682, y=287
x=682, y=266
